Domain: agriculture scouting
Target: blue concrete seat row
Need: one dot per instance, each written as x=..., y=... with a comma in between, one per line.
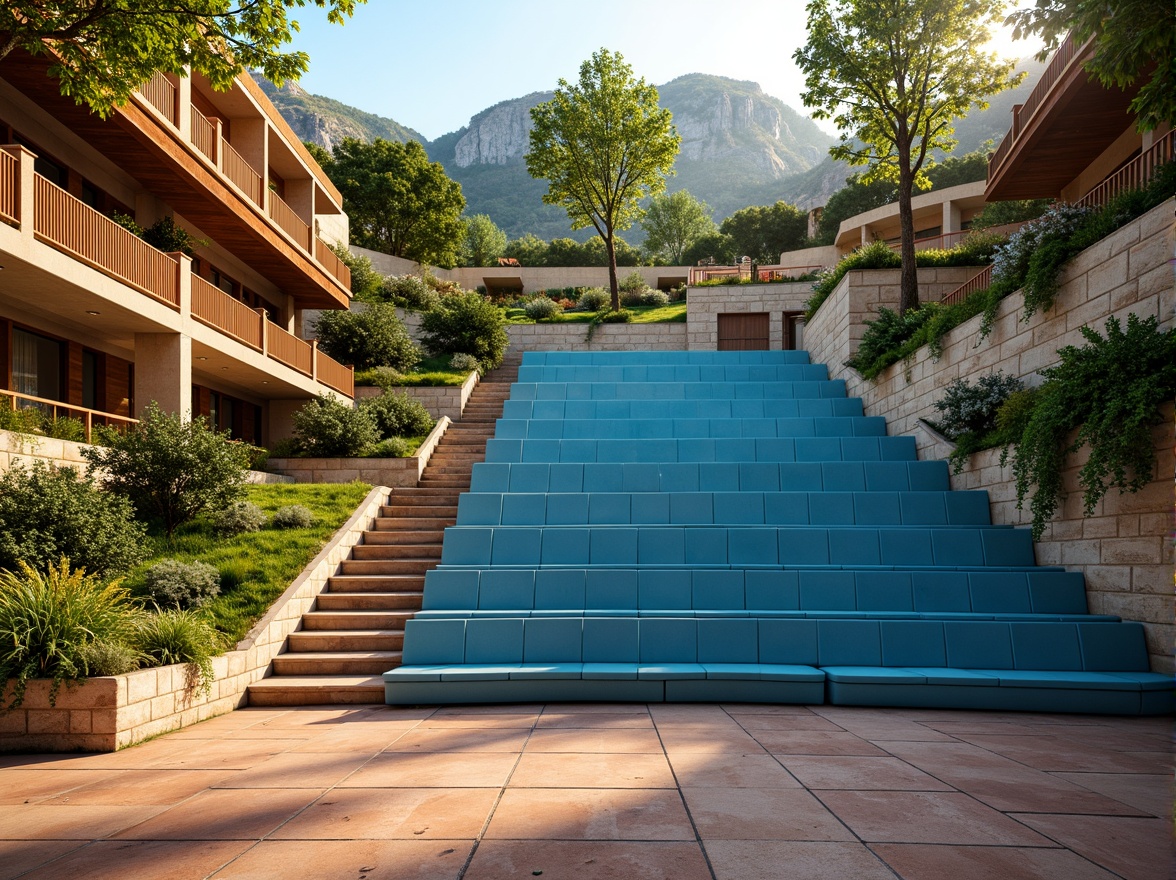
x=768, y=476
x=723, y=508
x=578, y=358
x=737, y=546
x=761, y=408
x=675, y=390
x=675, y=373
x=650, y=428
x=983, y=664
x=765, y=449
x=740, y=592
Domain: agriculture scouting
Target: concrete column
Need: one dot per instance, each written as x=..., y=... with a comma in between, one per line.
x=951, y=218
x=163, y=372
x=867, y=234
x=26, y=199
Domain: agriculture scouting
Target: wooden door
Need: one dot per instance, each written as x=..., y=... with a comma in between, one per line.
x=743, y=331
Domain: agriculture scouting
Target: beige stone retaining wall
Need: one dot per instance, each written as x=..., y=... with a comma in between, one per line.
x=439, y=400
x=106, y=714
x=705, y=304
x=1124, y=550
x=395, y=473
x=607, y=337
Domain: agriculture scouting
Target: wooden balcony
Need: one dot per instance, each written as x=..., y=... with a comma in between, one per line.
x=241, y=173
x=289, y=221
x=55, y=409
x=1136, y=174
x=331, y=262
x=161, y=94
x=8, y=188
x=743, y=272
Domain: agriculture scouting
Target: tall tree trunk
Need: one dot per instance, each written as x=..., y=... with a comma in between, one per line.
x=909, y=287
x=612, y=271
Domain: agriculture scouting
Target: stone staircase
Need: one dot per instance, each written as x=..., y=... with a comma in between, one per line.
x=356, y=630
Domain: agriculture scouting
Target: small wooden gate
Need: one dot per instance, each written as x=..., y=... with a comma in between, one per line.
x=743, y=331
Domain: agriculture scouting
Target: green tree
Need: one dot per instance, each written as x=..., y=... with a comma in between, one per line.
x=764, y=232
x=484, y=241
x=398, y=201
x=957, y=170
x=603, y=145
x=102, y=51
x=368, y=336
x=529, y=250
x=365, y=279
x=894, y=75
x=716, y=246
x=465, y=323
x=673, y=222
x=1131, y=36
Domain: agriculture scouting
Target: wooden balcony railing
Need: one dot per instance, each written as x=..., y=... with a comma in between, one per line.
x=763, y=273
x=240, y=172
x=203, y=134
x=56, y=409
x=1136, y=174
x=214, y=307
x=8, y=187
x=160, y=93
x=74, y=227
x=333, y=374
x=331, y=262
x=979, y=281
x=289, y=349
x=284, y=216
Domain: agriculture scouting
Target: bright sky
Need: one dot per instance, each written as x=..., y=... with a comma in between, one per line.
x=432, y=65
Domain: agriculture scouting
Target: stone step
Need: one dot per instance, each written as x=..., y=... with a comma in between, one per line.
x=403, y=536
x=408, y=523
x=395, y=583
x=396, y=551
x=457, y=482
x=316, y=641
x=316, y=690
x=421, y=495
x=387, y=566
x=336, y=663
x=355, y=620
x=369, y=601
x=436, y=511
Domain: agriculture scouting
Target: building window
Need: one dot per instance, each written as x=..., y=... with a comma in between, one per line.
x=36, y=365
x=89, y=379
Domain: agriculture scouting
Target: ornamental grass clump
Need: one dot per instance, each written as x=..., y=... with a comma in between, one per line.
x=180, y=637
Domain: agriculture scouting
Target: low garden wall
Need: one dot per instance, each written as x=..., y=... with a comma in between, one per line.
x=396, y=473
x=439, y=400
x=1124, y=550
x=705, y=304
x=105, y=714
x=606, y=337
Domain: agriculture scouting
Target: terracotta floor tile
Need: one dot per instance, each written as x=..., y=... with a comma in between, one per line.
x=488, y=709
x=1148, y=793
x=225, y=814
x=39, y=821
x=322, y=717
x=141, y=860
x=369, y=859
x=699, y=769
x=393, y=814
x=926, y=817
x=324, y=770
x=460, y=741
x=365, y=740
x=142, y=788
x=765, y=709
x=592, y=860
x=609, y=741
x=556, y=770
x=1136, y=849
x=589, y=814
x=756, y=723
x=19, y=786
x=1064, y=753
x=761, y=814
x=594, y=720
x=19, y=856
x=810, y=860
x=709, y=742
x=815, y=742
x=862, y=774
x=931, y=862
x=221, y=754
x=480, y=721
x=413, y=770
x=592, y=708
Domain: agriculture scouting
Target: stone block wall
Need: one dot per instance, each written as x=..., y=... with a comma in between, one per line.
x=607, y=337
x=1125, y=549
x=439, y=400
x=108, y=713
x=705, y=304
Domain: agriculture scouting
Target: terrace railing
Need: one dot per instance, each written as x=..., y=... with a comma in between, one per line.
x=331, y=262
x=214, y=307
x=160, y=93
x=290, y=222
x=8, y=187
x=204, y=136
x=1136, y=174
x=333, y=374
x=289, y=349
x=240, y=172
x=56, y=409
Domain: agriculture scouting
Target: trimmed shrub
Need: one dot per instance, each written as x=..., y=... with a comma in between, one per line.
x=971, y=409
x=463, y=361
x=49, y=620
x=408, y=292
x=47, y=513
x=380, y=377
x=392, y=447
x=238, y=518
x=327, y=427
x=172, y=470
x=887, y=333
x=180, y=637
x=397, y=415
x=540, y=308
x=594, y=299
x=466, y=322
x=175, y=584
x=632, y=283
x=370, y=337
x=292, y=516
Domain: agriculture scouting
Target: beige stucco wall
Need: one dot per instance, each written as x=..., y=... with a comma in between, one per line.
x=1124, y=550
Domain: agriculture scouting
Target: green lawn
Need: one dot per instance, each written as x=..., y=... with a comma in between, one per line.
x=257, y=567
x=668, y=314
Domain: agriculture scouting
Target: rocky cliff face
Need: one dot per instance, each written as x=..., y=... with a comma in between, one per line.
x=325, y=121
x=499, y=135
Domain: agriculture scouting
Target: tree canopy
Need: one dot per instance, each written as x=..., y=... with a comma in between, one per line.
x=673, y=222
x=763, y=232
x=484, y=241
x=530, y=250
x=893, y=75
x=398, y=201
x=1130, y=36
x=603, y=145
x=102, y=51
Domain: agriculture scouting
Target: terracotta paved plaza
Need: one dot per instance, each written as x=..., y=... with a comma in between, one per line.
x=592, y=791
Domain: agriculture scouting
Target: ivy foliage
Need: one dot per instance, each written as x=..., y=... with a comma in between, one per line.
x=969, y=414
x=1105, y=395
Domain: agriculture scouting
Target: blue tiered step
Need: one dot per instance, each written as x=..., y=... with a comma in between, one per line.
x=729, y=526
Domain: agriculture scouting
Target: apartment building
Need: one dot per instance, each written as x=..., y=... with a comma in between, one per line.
x=95, y=323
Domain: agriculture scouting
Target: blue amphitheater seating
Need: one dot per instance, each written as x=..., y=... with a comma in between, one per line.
x=729, y=526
